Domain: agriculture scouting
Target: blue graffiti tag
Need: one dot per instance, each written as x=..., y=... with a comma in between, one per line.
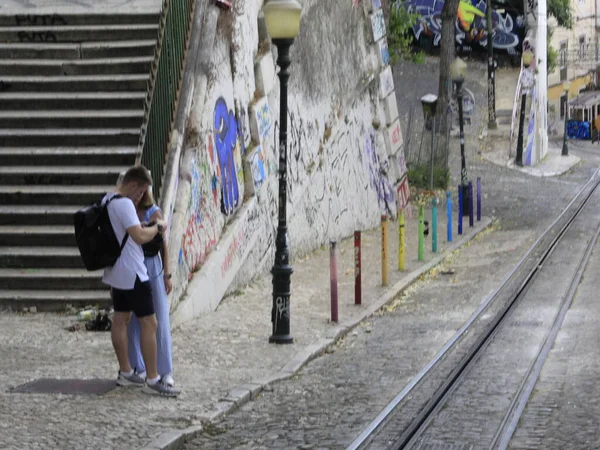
x=226, y=135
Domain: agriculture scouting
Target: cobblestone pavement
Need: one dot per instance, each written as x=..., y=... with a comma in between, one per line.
x=563, y=411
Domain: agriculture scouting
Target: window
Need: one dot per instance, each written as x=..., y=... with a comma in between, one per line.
x=563, y=106
x=585, y=115
x=581, y=52
x=563, y=60
x=563, y=53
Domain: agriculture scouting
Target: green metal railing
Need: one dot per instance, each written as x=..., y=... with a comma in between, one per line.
x=164, y=86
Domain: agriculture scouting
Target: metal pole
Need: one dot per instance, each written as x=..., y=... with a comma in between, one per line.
x=449, y=215
x=432, y=151
x=470, y=204
x=357, y=270
x=434, y=242
x=333, y=282
x=478, y=199
x=519, y=157
x=565, y=147
x=461, y=202
x=492, y=125
x=282, y=270
x=401, y=240
x=421, y=233
x=384, y=251
x=463, y=162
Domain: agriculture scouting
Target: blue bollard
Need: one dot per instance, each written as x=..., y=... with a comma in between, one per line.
x=449, y=214
x=434, y=203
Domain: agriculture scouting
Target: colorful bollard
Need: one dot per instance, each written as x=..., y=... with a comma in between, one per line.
x=357, y=270
x=478, y=199
x=460, y=209
x=384, y=251
x=401, y=240
x=434, y=242
x=333, y=282
x=449, y=215
x=470, y=188
x=421, y=233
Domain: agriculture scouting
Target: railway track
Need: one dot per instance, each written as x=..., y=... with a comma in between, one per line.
x=431, y=409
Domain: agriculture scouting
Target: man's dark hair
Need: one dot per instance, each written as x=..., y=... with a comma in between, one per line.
x=138, y=174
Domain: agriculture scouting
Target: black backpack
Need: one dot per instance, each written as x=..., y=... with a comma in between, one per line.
x=98, y=245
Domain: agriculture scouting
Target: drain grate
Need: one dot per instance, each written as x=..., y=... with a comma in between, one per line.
x=95, y=386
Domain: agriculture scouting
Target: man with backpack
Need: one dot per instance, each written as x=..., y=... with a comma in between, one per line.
x=129, y=282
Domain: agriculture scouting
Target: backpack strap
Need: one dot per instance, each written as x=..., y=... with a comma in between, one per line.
x=124, y=241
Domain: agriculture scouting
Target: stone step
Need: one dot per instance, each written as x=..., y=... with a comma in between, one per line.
x=12, y=137
x=44, y=20
x=40, y=257
x=65, y=156
x=51, y=279
x=75, y=83
x=37, y=236
x=52, y=194
x=60, y=175
x=71, y=100
x=79, y=33
x=55, y=300
x=37, y=215
x=75, y=51
x=127, y=65
x=130, y=118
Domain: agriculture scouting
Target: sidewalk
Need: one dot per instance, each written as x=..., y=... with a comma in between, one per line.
x=552, y=165
x=221, y=359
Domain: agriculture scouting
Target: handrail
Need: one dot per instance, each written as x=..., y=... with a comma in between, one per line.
x=164, y=86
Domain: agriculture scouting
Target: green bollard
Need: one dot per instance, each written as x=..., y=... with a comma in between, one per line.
x=421, y=231
x=434, y=203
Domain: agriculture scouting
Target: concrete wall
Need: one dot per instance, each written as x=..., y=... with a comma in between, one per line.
x=344, y=144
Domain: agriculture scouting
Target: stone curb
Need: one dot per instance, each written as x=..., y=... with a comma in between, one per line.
x=242, y=394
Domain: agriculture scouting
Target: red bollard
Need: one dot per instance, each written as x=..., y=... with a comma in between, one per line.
x=357, y=271
x=333, y=282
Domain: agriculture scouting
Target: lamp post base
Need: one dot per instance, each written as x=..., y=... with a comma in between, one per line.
x=281, y=339
x=565, y=148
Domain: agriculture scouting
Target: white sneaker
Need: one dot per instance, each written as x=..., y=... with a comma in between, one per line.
x=160, y=388
x=130, y=380
x=169, y=381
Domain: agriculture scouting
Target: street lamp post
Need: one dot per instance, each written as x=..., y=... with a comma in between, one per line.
x=282, y=18
x=458, y=70
x=527, y=59
x=492, y=125
x=565, y=147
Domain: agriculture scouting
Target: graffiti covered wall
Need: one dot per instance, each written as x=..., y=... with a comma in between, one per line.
x=471, y=27
x=338, y=170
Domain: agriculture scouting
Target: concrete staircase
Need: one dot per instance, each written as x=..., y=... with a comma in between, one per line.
x=72, y=92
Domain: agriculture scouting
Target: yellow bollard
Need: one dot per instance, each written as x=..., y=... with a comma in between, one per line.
x=384, y=251
x=401, y=242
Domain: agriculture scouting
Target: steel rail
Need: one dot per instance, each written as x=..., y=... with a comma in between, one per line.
x=383, y=417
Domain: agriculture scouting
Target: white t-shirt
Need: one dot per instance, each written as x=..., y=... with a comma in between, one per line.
x=130, y=264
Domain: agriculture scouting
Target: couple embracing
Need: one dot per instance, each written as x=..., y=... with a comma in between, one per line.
x=140, y=281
